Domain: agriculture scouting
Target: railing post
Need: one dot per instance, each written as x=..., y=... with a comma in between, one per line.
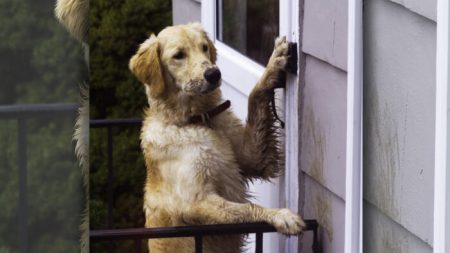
x=315, y=246
x=110, y=178
x=259, y=243
x=23, y=198
x=198, y=244
x=137, y=246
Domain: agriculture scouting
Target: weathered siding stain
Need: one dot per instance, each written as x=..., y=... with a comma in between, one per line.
x=314, y=138
x=322, y=154
x=383, y=149
x=322, y=208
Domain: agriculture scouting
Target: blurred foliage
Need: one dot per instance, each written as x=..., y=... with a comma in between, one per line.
x=116, y=30
x=39, y=63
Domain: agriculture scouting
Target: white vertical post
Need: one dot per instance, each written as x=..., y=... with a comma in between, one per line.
x=209, y=18
x=442, y=175
x=289, y=22
x=353, y=184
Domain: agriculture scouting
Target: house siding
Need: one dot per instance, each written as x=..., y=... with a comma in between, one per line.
x=399, y=114
x=323, y=120
x=425, y=8
x=325, y=31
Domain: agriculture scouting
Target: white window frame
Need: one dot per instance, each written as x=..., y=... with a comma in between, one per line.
x=353, y=183
x=441, y=240
x=242, y=73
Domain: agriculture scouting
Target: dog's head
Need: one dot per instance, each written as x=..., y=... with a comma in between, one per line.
x=180, y=58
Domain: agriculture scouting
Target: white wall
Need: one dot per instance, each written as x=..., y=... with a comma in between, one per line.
x=399, y=102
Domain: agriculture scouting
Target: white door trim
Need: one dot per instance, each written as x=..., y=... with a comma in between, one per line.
x=208, y=14
x=289, y=27
x=441, y=241
x=353, y=184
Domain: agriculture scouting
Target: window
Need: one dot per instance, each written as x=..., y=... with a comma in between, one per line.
x=249, y=27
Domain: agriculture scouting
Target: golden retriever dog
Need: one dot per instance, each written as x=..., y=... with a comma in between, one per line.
x=198, y=154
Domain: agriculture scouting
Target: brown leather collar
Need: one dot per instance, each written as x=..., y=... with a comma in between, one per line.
x=205, y=117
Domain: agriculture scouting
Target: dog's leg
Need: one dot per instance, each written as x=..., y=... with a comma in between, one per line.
x=258, y=146
x=217, y=210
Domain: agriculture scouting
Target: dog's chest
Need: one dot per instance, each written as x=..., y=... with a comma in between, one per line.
x=186, y=155
x=208, y=155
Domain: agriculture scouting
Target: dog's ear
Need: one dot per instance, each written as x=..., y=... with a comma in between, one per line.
x=146, y=66
x=212, y=49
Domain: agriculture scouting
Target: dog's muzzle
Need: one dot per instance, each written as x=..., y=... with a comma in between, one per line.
x=212, y=76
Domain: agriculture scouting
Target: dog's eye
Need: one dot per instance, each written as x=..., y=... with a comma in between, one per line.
x=205, y=48
x=180, y=55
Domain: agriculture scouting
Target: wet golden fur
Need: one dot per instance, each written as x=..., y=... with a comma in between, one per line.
x=198, y=174
x=73, y=14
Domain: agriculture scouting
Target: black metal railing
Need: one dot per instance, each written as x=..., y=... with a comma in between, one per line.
x=109, y=124
x=22, y=113
x=197, y=232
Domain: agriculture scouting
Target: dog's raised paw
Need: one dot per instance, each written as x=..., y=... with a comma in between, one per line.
x=280, y=53
x=281, y=46
x=287, y=222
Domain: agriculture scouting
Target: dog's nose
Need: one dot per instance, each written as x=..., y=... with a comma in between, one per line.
x=212, y=75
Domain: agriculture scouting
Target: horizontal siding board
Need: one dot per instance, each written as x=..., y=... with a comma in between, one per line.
x=325, y=31
x=399, y=101
x=329, y=210
x=426, y=8
x=382, y=234
x=324, y=125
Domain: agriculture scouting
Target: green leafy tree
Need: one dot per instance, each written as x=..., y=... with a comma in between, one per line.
x=116, y=30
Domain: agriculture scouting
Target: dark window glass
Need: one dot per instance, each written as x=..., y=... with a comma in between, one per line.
x=249, y=26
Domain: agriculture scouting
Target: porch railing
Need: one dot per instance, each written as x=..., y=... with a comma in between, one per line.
x=197, y=232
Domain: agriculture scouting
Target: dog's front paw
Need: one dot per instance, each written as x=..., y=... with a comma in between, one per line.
x=279, y=58
x=287, y=222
